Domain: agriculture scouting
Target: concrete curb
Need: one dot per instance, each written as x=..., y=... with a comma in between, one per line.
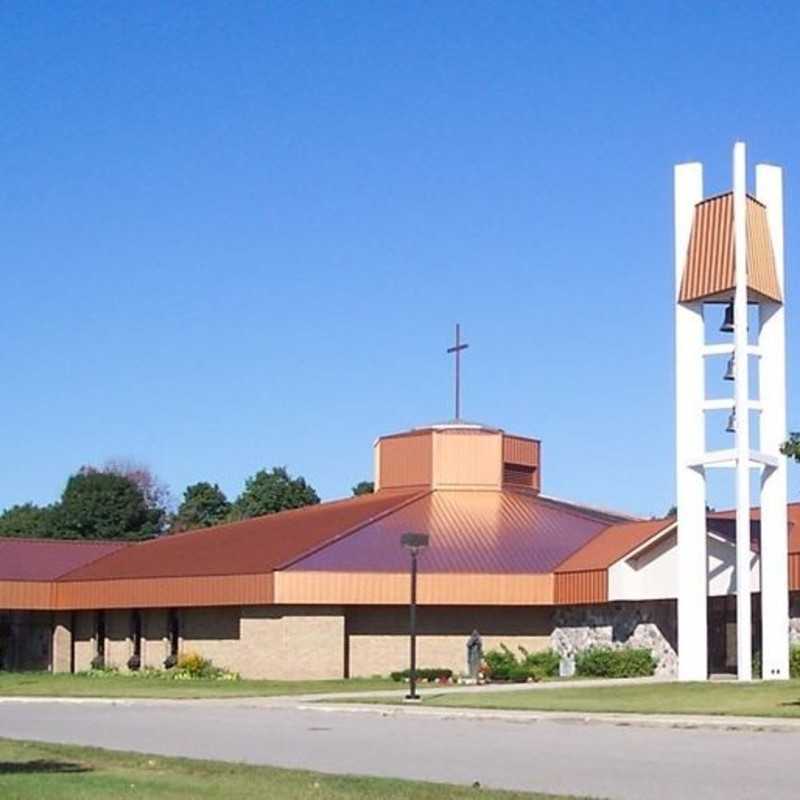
x=675, y=721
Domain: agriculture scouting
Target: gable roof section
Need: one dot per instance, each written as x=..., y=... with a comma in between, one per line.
x=252, y=546
x=47, y=559
x=472, y=532
x=614, y=543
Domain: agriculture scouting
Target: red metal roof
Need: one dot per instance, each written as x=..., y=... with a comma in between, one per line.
x=47, y=559
x=252, y=546
x=618, y=540
x=615, y=542
x=471, y=532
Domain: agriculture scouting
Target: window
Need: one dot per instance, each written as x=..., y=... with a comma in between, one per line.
x=135, y=661
x=99, y=660
x=174, y=637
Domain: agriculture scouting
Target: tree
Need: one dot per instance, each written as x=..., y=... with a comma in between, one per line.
x=28, y=521
x=156, y=492
x=792, y=447
x=363, y=487
x=105, y=505
x=204, y=504
x=273, y=491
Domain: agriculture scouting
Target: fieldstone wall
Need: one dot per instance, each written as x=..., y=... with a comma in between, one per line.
x=652, y=625
x=794, y=619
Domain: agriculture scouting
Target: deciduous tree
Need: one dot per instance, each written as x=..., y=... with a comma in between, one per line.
x=268, y=492
x=27, y=520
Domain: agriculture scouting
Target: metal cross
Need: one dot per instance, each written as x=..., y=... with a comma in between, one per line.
x=457, y=348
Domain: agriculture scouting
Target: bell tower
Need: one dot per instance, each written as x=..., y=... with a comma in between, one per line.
x=729, y=250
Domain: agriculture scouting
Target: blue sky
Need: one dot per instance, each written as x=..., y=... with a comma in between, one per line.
x=240, y=236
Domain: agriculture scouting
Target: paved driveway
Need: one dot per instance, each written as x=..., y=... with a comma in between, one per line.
x=600, y=760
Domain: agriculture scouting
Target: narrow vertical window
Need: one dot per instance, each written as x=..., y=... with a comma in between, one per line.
x=99, y=660
x=135, y=661
x=174, y=638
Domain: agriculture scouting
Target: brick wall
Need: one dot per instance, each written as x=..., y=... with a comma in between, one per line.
x=378, y=636
x=292, y=642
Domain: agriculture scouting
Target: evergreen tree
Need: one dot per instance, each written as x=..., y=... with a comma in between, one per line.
x=204, y=504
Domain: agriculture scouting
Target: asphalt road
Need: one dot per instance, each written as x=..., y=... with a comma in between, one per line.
x=597, y=759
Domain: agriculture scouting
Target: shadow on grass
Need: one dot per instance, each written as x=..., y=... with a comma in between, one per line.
x=40, y=766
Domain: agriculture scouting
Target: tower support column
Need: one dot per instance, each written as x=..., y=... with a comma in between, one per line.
x=744, y=645
x=690, y=441
x=772, y=392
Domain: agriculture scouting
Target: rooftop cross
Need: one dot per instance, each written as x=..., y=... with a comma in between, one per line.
x=457, y=348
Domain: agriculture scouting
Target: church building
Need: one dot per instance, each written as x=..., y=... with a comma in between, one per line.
x=323, y=591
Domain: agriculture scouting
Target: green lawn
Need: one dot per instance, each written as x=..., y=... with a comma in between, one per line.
x=44, y=684
x=759, y=699
x=34, y=771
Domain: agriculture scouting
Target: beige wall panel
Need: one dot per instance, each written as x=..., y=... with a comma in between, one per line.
x=285, y=643
x=404, y=460
x=467, y=459
x=155, y=646
x=378, y=588
x=83, y=636
x=119, y=647
x=213, y=633
x=378, y=637
x=62, y=642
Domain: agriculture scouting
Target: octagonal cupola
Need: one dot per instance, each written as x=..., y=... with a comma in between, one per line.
x=457, y=455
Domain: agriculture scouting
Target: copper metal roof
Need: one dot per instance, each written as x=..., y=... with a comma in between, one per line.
x=252, y=546
x=615, y=542
x=47, y=559
x=709, y=268
x=471, y=532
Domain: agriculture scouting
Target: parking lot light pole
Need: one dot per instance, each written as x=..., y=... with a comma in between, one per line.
x=414, y=543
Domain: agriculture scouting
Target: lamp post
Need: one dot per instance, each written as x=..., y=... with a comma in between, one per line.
x=414, y=543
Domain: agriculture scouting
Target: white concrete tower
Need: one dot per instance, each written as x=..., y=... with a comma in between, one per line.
x=690, y=441
x=729, y=250
x=772, y=433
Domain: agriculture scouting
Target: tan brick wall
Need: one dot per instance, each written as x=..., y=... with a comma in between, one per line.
x=83, y=639
x=213, y=633
x=308, y=642
x=62, y=642
x=378, y=636
x=292, y=642
x=155, y=645
x=119, y=646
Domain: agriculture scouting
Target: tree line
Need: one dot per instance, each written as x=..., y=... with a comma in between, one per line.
x=121, y=500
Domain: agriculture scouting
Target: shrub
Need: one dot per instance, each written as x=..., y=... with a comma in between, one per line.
x=193, y=665
x=504, y=665
x=424, y=674
x=603, y=662
x=500, y=663
x=542, y=664
x=794, y=662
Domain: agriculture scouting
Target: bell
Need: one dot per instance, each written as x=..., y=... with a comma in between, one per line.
x=727, y=323
x=731, y=423
x=730, y=375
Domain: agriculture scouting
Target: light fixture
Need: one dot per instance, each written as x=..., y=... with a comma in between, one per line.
x=414, y=543
x=727, y=323
x=730, y=374
x=731, y=428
